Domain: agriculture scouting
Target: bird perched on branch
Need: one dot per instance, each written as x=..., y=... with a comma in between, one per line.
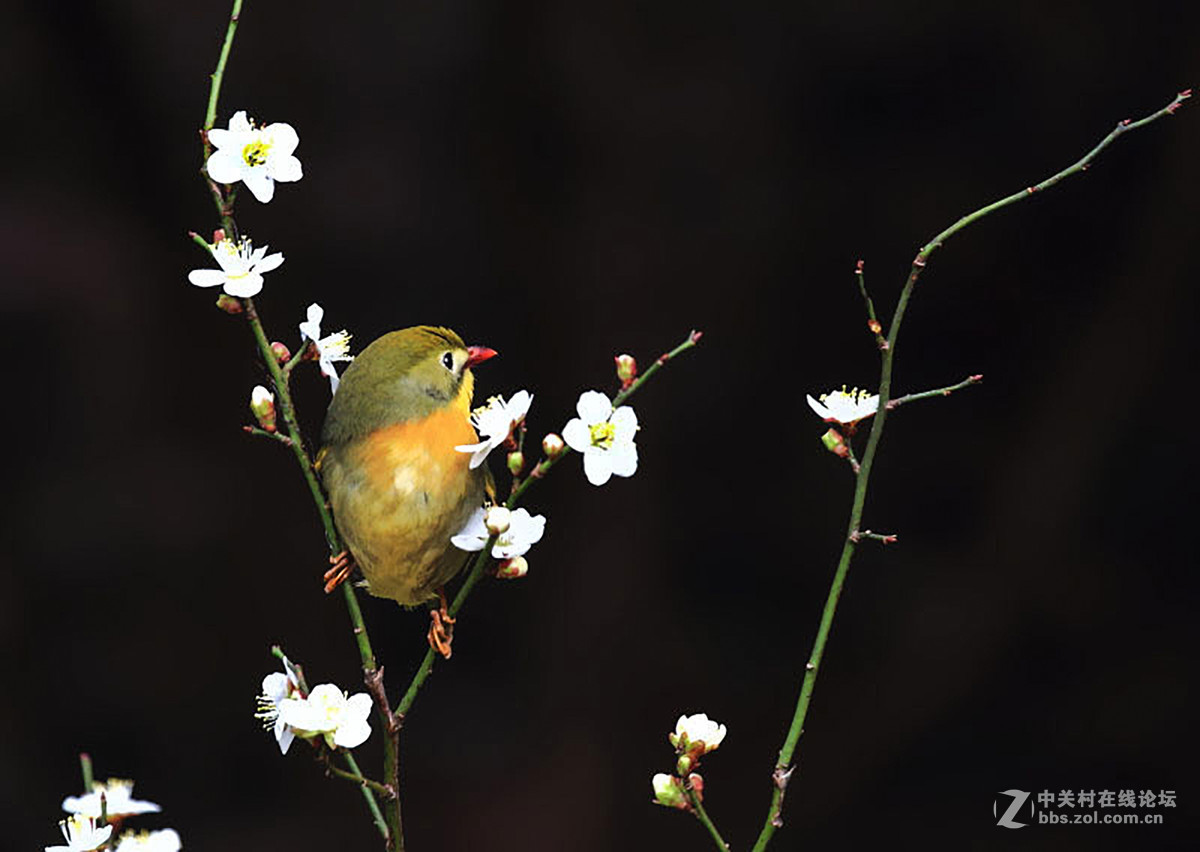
x=398, y=488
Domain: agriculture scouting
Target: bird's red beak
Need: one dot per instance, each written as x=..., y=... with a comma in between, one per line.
x=478, y=354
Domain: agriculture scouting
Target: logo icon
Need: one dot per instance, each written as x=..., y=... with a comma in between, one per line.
x=1019, y=797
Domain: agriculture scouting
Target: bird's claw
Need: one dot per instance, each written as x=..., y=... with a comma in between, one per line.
x=341, y=566
x=441, y=628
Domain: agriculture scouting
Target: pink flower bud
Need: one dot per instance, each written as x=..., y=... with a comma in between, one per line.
x=497, y=519
x=669, y=792
x=229, y=304
x=553, y=446
x=834, y=442
x=511, y=569
x=262, y=406
x=626, y=369
x=281, y=353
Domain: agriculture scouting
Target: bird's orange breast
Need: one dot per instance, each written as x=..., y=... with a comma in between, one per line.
x=418, y=454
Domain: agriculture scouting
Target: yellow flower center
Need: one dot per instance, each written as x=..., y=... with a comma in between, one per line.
x=855, y=395
x=603, y=435
x=255, y=153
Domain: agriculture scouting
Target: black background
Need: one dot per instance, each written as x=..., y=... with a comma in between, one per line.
x=564, y=182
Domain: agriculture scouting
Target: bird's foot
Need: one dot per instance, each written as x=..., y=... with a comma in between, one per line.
x=441, y=628
x=341, y=566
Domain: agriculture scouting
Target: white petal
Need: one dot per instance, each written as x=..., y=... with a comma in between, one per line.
x=269, y=263
x=284, y=736
x=249, y=285
x=596, y=467
x=239, y=123
x=626, y=423
x=274, y=685
x=260, y=184
x=526, y=527
x=225, y=166
x=577, y=435
x=206, y=277
x=623, y=459
x=334, y=380
x=518, y=406
x=352, y=734
x=286, y=169
x=820, y=410
x=593, y=407
x=469, y=543
x=283, y=137
x=471, y=448
x=219, y=138
x=358, y=706
x=474, y=535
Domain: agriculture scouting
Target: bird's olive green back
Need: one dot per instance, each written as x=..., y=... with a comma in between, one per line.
x=398, y=377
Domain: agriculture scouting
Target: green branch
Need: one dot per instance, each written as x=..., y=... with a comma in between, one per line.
x=702, y=815
x=946, y=391
x=782, y=767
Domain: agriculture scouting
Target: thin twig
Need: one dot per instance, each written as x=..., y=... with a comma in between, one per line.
x=368, y=794
x=263, y=433
x=702, y=815
x=85, y=766
x=872, y=320
x=812, y=668
x=946, y=391
x=356, y=777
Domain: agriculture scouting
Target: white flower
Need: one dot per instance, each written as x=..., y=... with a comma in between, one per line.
x=118, y=800
x=524, y=531
x=495, y=422
x=81, y=834
x=838, y=406
x=604, y=436
x=697, y=733
x=276, y=688
x=328, y=711
x=335, y=347
x=257, y=156
x=242, y=268
x=165, y=840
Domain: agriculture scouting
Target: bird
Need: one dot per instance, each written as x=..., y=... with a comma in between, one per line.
x=397, y=486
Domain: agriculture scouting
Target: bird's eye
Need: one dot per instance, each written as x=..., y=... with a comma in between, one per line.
x=448, y=361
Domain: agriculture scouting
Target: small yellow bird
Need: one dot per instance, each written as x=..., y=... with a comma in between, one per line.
x=398, y=488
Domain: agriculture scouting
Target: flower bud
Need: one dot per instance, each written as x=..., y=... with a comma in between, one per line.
x=696, y=782
x=553, y=446
x=516, y=462
x=262, y=406
x=668, y=791
x=229, y=304
x=684, y=765
x=626, y=369
x=834, y=442
x=281, y=353
x=218, y=236
x=512, y=569
x=497, y=519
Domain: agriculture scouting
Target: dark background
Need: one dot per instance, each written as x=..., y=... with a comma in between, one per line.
x=565, y=182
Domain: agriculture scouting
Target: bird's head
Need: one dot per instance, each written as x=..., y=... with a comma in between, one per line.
x=404, y=375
